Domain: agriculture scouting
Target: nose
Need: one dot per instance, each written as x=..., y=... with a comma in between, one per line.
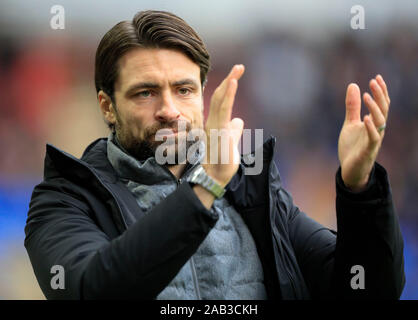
x=167, y=111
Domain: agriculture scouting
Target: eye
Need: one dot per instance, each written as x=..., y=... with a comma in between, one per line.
x=143, y=94
x=184, y=91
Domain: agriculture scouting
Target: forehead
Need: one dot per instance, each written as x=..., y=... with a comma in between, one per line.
x=155, y=65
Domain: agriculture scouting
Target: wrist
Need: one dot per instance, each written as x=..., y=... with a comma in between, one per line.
x=205, y=197
x=358, y=187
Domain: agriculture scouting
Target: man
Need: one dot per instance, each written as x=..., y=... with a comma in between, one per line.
x=121, y=225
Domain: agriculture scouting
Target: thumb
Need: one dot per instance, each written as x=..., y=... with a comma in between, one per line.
x=352, y=103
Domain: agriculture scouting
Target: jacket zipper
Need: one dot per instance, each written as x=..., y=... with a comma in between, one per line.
x=291, y=282
x=195, y=281
x=289, y=276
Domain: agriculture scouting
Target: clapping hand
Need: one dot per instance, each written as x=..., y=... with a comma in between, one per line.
x=360, y=141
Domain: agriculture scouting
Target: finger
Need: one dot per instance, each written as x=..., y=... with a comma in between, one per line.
x=379, y=96
x=225, y=110
x=382, y=84
x=377, y=115
x=236, y=73
x=371, y=131
x=352, y=103
x=237, y=126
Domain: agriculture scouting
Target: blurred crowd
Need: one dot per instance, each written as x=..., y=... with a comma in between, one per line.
x=292, y=89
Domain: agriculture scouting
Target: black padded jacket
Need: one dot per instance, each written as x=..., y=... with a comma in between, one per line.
x=83, y=218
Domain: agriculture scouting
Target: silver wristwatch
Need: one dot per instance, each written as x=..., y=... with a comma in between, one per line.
x=199, y=176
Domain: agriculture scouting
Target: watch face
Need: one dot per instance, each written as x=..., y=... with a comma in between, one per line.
x=196, y=174
x=200, y=177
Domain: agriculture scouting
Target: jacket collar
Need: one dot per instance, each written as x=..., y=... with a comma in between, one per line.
x=94, y=158
x=61, y=163
x=246, y=191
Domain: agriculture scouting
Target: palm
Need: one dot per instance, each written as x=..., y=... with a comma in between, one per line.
x=352, y=136
x=353, y=151
x=360, y=141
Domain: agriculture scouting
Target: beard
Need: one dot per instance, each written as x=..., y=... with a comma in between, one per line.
x=142, y=149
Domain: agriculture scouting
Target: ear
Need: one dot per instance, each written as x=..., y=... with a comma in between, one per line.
x=107, y=108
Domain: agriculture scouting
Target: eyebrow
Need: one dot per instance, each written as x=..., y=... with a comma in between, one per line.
x=154, y=85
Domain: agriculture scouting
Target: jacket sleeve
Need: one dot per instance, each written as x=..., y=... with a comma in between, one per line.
x=139, y=263
x=368, y=245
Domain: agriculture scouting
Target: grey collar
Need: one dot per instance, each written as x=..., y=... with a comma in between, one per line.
x=147, y=171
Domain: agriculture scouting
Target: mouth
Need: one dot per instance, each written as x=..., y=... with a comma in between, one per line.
x=167, y=133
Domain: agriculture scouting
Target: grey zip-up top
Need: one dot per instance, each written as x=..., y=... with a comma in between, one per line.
x=226, y=264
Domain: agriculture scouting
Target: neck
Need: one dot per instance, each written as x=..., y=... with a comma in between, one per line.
x=177, y=170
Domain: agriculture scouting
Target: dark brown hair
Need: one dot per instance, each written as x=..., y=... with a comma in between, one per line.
x=148, y=29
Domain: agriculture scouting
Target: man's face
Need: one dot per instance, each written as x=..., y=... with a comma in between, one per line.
x=156, y=89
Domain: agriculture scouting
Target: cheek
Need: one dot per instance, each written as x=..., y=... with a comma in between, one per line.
x=199, y=123
x=198, y=119
x=135, y=123
x=195, y=114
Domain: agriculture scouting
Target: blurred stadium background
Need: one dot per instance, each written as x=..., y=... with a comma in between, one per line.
x=299, y=57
